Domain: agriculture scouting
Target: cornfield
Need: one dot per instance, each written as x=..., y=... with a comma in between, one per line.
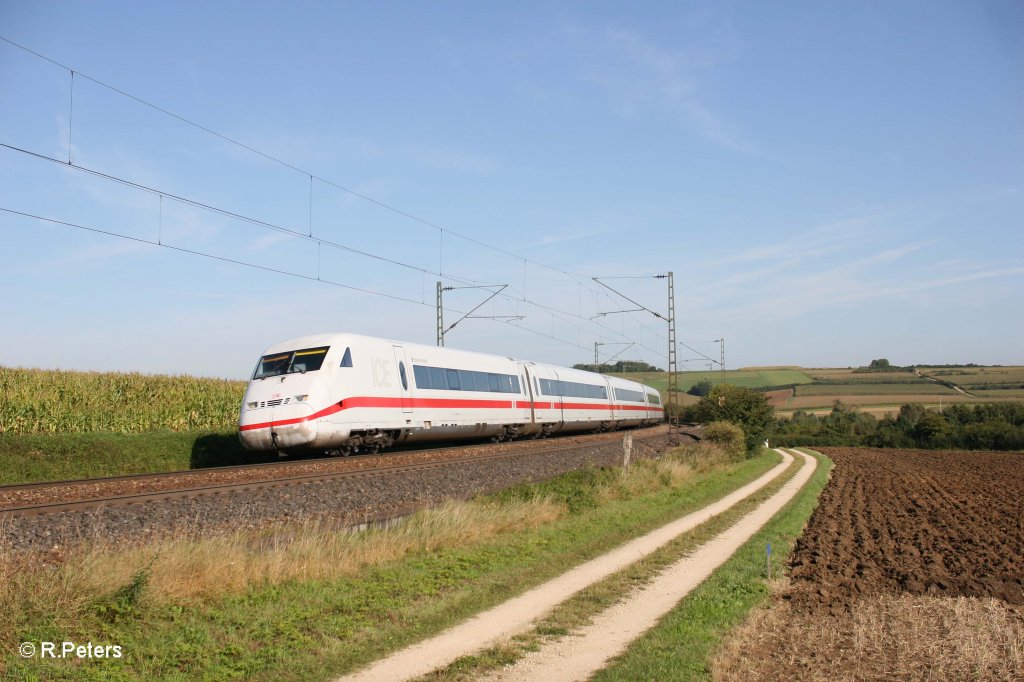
x=35, y=401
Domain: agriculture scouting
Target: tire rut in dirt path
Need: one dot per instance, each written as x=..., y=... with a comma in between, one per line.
x=518, y=614
x=580, y=654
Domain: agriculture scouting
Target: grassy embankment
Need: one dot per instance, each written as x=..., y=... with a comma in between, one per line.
x=58, y=425
x=310, y=602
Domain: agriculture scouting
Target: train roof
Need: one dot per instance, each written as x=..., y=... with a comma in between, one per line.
x=334, y=338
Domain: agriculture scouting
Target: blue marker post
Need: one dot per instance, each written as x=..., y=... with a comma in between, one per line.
x=769, y=559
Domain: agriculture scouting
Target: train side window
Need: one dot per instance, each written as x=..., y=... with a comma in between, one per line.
x=346, y=360
x=422, y=376
x=515, y=384
x=437, y=379
x=453, y=379
x=466, y=380
x=401, y=373
x=480, y=378
x=492, y=383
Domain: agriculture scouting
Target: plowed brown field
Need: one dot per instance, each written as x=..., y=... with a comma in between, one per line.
x=921, y=522
x=910, y=568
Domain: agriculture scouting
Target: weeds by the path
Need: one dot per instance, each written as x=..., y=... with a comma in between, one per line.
x=310, y=599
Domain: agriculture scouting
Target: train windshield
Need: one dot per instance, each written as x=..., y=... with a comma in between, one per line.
x=290, y=362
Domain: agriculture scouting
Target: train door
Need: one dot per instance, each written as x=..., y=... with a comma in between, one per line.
x=560, y=405
x=403, y=378
x=527, y=382
x=612, y=402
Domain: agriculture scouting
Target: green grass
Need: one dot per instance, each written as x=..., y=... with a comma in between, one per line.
x=977, y=375
x=747, y=378
x=303, y=630
x=851, y=375
x=33, y=458
x=902, y=388
x=682, y=645
x=999, y=393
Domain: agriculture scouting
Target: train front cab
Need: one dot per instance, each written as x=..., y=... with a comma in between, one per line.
x=282, y=399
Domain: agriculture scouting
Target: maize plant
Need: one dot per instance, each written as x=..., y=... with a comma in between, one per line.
x=36, y=401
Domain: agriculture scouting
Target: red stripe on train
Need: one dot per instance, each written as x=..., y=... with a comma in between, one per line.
x=427, y=403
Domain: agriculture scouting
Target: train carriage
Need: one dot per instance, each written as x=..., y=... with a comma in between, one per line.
x=346, y=393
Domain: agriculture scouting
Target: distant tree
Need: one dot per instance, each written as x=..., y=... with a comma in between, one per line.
x=932, y=431
x=701, y=388
x=881, y=363
x=909, y=415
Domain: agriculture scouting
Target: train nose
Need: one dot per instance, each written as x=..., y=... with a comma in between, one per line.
x=282, y=427
x=292, y=427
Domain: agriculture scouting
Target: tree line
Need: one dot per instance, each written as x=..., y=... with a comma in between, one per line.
x=997, y=426
x=620, y=366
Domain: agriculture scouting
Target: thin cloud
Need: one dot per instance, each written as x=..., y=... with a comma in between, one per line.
x=637, y=75
x=570, y=236
x=855, y=283
x=97, y=254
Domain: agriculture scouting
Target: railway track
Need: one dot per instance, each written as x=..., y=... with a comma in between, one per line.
x=87, y=494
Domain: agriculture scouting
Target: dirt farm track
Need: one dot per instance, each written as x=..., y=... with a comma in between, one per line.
x=910, y=568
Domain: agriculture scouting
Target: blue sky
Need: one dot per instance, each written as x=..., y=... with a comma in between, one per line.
x=829, y=182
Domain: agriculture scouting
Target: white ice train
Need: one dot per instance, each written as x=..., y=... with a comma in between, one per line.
x=344, y=393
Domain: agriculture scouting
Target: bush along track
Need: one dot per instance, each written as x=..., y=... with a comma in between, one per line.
x=409, y=582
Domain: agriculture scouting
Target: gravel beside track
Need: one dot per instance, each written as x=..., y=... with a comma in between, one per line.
x=83, y=489
x=352, y=501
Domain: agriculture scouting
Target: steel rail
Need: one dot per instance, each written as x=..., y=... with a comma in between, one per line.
x=284, y=463
x=222, y=488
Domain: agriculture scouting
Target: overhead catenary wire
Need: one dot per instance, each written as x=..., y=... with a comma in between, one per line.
x=578, y=277
x=283, y=230
x=562, y=314
x=275, y=159
x=265, y=268
x=270, y=157
x=195, y=252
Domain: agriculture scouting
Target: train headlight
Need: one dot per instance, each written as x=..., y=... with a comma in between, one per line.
x=301, y=398
x=253, y=405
